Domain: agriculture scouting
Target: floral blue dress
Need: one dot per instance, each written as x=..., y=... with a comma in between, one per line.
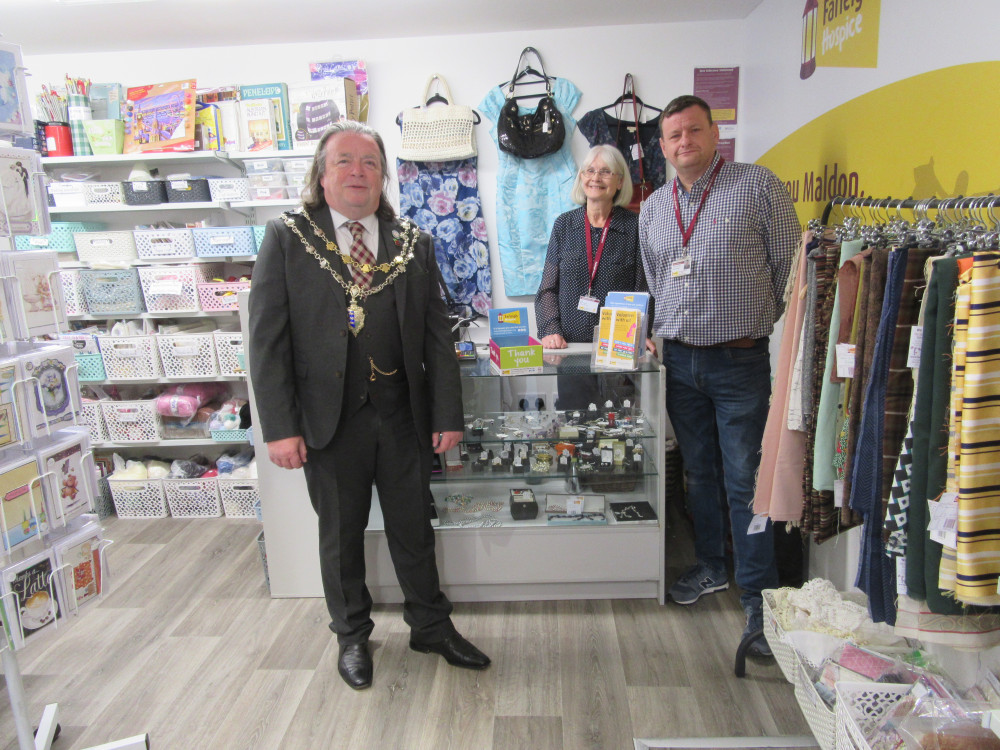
x=442, y=197
x=531, y=194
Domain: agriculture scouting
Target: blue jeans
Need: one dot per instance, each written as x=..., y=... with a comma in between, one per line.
x=717, y=401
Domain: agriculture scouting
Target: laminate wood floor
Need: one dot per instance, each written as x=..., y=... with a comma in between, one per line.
x=188, y=646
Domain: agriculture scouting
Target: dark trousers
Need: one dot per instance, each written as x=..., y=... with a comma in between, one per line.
x=371, y=447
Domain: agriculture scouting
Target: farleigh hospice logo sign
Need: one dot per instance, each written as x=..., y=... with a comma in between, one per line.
x=839, y=34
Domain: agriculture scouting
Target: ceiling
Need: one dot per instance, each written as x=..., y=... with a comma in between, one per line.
x=62, y=26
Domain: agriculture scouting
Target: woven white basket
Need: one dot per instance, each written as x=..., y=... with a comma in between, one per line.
x=239, y=497
x=188, y=355
x=92, y=417
x=175, y=288
x=164, y=243
x=105, y=246
x=229, y=351
x=131, y=421
x=861, y=706
x=193, y=498
x=72, y=291
x=138, y=498
x=229, y=188
x=130, y=357
x=104, y=193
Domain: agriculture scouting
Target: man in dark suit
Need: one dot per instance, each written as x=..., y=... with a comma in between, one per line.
x=356, y=381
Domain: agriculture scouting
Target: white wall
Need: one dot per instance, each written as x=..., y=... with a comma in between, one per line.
x=661, y=57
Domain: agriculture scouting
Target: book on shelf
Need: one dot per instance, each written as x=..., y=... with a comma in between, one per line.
x=231, y=125
x=356, y=70
x=208, y=127
x=160, y=117
x=22, y=510
x=277, y=95
x=80, y=552
x=33, y=600
x=314, y=107
x=257, y=117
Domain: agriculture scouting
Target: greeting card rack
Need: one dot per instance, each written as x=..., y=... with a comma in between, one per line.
x=47, y=470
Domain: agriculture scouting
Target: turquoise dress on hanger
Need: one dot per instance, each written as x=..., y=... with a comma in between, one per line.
x=531, y=193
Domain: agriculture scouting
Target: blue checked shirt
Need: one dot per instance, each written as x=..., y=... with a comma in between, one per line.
x=740, y=255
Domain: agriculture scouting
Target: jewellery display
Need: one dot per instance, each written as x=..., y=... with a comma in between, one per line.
x=405, y=238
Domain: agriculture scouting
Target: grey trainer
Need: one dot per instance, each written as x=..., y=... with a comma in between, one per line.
x=699, y=580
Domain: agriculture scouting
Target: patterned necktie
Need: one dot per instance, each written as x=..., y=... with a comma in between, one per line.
x=361, y=254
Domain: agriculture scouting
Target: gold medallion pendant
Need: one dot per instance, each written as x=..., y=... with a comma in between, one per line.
x=355, y=317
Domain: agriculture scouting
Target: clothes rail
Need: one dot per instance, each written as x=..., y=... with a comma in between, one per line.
x=918, y=205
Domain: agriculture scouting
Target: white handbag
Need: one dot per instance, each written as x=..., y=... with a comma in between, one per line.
x=441, y=133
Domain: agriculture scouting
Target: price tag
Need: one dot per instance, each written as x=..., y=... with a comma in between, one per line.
x=222, y=239
x=185, y=350
x=166, y=287
x=943, y=526
x=60, y=188
x=838, y=493
x=757, y=525
x=574, y=505
x=139, y=187
x=845, y=360
x=916, y=344
x=38, y=241
x=179, y=185
x=901, y=576
x=127, y=415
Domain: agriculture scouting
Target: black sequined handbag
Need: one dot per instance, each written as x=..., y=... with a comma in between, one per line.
x=537, y=133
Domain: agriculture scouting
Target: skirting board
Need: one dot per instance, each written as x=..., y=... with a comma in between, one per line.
x=736, y=743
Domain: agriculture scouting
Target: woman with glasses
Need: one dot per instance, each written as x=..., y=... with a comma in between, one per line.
x=593, y=250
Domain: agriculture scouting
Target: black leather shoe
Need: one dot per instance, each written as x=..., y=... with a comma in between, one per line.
x=355, y=666
x=456, y=651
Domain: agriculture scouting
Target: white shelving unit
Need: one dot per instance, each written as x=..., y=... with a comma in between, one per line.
x=199, y=164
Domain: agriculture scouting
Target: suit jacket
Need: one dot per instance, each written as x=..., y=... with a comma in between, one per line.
x=298, y=335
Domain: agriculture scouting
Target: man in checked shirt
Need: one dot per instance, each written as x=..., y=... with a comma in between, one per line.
x=717, y=244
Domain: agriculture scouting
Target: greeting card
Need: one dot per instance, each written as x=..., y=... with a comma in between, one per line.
x=67, y=478
x=15, y=112
x=81, y=552
x=37, y=602
x=22, y=510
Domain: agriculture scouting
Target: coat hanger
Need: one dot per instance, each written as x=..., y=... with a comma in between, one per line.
x=529, y=76
x=436, y=97
x=628, y=95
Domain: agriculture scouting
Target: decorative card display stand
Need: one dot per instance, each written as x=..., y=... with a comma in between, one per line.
x=47, y=483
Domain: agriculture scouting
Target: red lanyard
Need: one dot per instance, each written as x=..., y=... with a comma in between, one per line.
x=591, y=260
x=686, y=233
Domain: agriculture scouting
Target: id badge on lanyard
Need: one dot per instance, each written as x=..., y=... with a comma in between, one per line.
x=589, y=303
x=682, y=267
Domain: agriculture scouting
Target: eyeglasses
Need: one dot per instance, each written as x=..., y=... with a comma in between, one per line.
x=604, y=173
